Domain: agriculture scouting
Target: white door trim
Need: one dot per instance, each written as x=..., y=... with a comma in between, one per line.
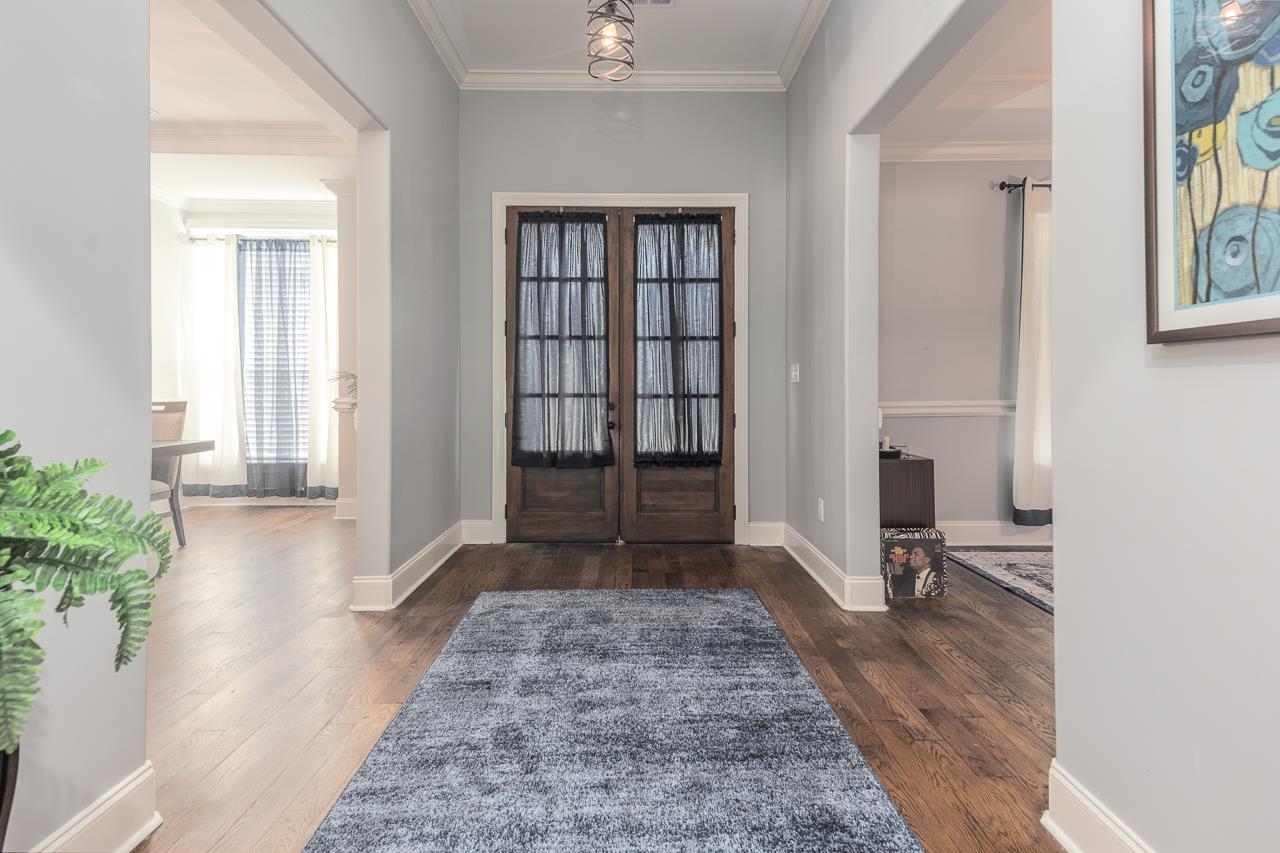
x=738, y=201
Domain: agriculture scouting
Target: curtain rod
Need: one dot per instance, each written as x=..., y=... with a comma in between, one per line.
x=1005, y=186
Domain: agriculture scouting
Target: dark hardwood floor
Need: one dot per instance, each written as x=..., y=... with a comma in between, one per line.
x=266, y=692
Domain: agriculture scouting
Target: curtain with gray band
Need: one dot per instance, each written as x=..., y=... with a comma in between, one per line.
x=1033, y=433
x=679, y=342
x=561, y=417
x=275, y=290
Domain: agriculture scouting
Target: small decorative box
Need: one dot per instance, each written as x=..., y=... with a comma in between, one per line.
x=913, y=561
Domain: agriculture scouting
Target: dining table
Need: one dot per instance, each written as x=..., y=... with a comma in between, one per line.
x=180, y=447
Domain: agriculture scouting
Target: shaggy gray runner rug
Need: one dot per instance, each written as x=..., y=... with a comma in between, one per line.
x=627, y=720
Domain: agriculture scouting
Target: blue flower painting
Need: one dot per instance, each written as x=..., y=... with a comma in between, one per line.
x=1223, y=60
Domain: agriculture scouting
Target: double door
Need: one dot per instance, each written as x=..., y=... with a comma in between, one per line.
x=620, y=416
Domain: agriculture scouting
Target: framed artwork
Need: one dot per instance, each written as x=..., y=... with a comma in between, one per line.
x=913, y=563
x=1213, y=145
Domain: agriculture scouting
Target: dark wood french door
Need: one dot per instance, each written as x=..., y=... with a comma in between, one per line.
x=620, y=416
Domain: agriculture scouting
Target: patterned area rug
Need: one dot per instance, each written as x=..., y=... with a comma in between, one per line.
x=1027, y=574
x=615, y=720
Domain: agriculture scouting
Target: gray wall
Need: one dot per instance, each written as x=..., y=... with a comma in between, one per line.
x=949, y=322
x=380, y=52
x=75, y=287
x=1165, y=472
x=632, y=143
x=866, y=62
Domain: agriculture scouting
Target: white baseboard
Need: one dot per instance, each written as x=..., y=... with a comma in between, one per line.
x=767, y=533
x=345, y=509
x=387, y=592
x=118, y=821
x=477, y=531
x=1080, y=823
x=968, y=534
x=481, y=531
x=854, y=594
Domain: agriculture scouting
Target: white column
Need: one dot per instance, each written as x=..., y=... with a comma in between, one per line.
x=348, y=299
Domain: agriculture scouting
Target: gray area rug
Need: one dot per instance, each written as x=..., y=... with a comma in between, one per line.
x=1027, y=574
x=622, y=720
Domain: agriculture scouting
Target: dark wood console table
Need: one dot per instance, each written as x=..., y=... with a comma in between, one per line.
x=906, y=492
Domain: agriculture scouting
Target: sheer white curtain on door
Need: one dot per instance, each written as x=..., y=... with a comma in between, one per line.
x=322, y=455
x=1033, y=444
x=209, y=374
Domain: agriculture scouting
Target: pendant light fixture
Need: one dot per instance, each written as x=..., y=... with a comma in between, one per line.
x=610, y=39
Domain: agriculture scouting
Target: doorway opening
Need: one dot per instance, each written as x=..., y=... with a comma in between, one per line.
x=619, y=375
x=620, y=369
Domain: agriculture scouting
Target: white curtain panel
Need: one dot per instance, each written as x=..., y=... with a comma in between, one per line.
x=322, y=457
x=209, y=372
x=1033, y=440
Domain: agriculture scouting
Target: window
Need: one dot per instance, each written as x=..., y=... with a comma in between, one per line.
x=275, y=292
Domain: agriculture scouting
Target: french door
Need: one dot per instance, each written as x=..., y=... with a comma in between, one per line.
x=620, y=375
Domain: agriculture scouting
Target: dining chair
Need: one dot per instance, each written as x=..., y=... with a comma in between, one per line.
x=167, y=423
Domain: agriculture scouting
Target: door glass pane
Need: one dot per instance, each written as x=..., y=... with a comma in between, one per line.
x=679, y=342
x=562, y=347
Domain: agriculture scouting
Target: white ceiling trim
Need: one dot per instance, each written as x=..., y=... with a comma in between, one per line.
x=314, y=140
x=966, y=152
x=439, y=36
x=1007, y=83
x=813, y=15
x=645, y=81
x=223, y=214
x=650, y=81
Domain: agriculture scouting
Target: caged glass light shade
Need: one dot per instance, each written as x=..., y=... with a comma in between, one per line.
x=610, y=39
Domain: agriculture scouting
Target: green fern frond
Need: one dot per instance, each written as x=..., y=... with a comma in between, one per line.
x=20, y=660
x=54, y=535
x=78, y=521
x=131, y=601
x=59, y=478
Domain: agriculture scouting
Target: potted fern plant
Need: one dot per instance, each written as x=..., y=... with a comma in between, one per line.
x=55, y=536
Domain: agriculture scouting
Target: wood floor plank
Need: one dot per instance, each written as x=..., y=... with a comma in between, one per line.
x=266, y=692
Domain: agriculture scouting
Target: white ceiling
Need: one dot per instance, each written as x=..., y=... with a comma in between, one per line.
x=994, y=96
x=691, y=44
x=197, y=77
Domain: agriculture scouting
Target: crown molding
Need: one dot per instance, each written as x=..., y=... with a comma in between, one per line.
x=174, y=200
x=439, y=35
x=809, y=24
x=255, y=213
x=966, y=152
x=340, y=186
x=1007, y=82
x=246, y=138
x=644, y=81
x=647, y=81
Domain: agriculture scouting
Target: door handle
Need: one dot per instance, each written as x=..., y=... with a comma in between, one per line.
x=612, y=425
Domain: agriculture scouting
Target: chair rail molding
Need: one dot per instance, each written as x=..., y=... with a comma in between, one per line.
x=949, y=409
